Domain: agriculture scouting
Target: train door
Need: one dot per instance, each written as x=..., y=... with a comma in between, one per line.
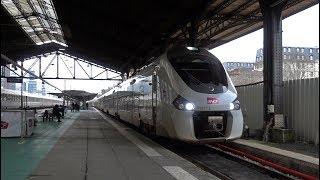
x=154, y=100
x=135, y=109
x=117, y=99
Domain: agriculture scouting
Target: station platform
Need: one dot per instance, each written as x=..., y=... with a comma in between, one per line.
x=303, y=158
x=89, y=145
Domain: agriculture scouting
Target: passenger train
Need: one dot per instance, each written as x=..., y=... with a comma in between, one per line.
x=185, y=94
x=11, y=99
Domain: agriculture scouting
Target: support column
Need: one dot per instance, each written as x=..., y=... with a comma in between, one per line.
x=57, y=65
x=193, y=32
x=40, y=59
x=21, y=93
x=272, y=61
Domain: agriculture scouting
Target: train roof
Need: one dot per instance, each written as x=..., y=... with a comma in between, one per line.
x=15, y=92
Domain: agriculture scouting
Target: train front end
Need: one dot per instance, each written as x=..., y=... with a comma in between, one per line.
x=205, y=107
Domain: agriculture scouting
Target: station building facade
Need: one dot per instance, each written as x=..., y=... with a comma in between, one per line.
x=298, y=62
x=229, y=66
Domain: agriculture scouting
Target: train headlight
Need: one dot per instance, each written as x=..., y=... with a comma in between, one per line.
x=183, y=104
x=231, y=106
x=235, y=105
x=189, y=106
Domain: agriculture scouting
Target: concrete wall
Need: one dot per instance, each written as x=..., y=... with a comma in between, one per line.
x=301, y=107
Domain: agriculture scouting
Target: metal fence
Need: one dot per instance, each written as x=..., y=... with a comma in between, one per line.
x=301, y=107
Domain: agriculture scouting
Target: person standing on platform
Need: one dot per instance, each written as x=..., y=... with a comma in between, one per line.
x=56, y=112
x=72, y=107
x=77, y=106
x=62, y=110
x=87, y=105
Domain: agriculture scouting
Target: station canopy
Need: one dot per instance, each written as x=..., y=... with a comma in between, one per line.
x=76, y=95
x=124, y=34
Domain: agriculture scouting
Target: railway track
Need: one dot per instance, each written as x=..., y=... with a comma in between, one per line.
x=219, y=163
x=225, y=162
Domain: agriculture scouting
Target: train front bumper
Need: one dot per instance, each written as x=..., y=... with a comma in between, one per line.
x=200, y=127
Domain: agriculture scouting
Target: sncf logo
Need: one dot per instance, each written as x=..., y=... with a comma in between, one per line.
x=212, y=100
x=4, y=125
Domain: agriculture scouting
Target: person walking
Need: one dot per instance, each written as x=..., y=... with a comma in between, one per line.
x=87, y=105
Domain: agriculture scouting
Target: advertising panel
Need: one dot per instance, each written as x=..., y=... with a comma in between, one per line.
x=11, y=123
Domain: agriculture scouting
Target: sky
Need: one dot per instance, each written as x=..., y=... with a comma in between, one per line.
x=93, y=86
x=301, y=30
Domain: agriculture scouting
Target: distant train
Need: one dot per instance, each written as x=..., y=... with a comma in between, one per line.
x=185, y=94
x=11, y=99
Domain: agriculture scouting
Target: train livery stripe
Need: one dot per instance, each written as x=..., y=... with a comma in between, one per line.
x=145, y=148
x=179, y=173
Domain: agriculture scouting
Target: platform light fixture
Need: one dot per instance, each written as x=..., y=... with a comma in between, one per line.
x=192, y=48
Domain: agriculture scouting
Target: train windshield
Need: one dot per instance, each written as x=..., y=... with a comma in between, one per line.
x=201, y=73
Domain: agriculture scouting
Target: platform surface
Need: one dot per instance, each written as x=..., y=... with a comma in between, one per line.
x=275, y=150
x=90, y=145
x=19, y=156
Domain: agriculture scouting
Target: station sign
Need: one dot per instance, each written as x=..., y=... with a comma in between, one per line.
x=14, y=80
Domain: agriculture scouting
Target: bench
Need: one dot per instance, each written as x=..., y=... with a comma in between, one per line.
x=46, y=117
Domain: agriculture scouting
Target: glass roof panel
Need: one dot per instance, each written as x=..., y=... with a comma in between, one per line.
x=37, y=18
x=25, y=8
x=44, y=37
x=11, y=8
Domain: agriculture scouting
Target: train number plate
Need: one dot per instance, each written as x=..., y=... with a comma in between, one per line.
x=215, y=119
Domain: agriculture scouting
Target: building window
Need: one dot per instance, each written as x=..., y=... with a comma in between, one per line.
x=298, y=49
x=302, y=57
x=308, y=74
x=311, y=57
x=298, y=57
x=318, y=50
x=311, y=50
x=289, y=56
x=302, y=50
x=238, y=64
x=289, y=49
x=284, y=56
x=284, y=49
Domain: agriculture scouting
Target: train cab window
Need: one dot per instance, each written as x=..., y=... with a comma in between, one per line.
x=203, y=74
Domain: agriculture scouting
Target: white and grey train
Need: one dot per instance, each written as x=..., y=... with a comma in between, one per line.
x=11, y=99
x=184, y=94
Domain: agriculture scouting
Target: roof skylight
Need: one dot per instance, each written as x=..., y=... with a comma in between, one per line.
x=37, y=18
